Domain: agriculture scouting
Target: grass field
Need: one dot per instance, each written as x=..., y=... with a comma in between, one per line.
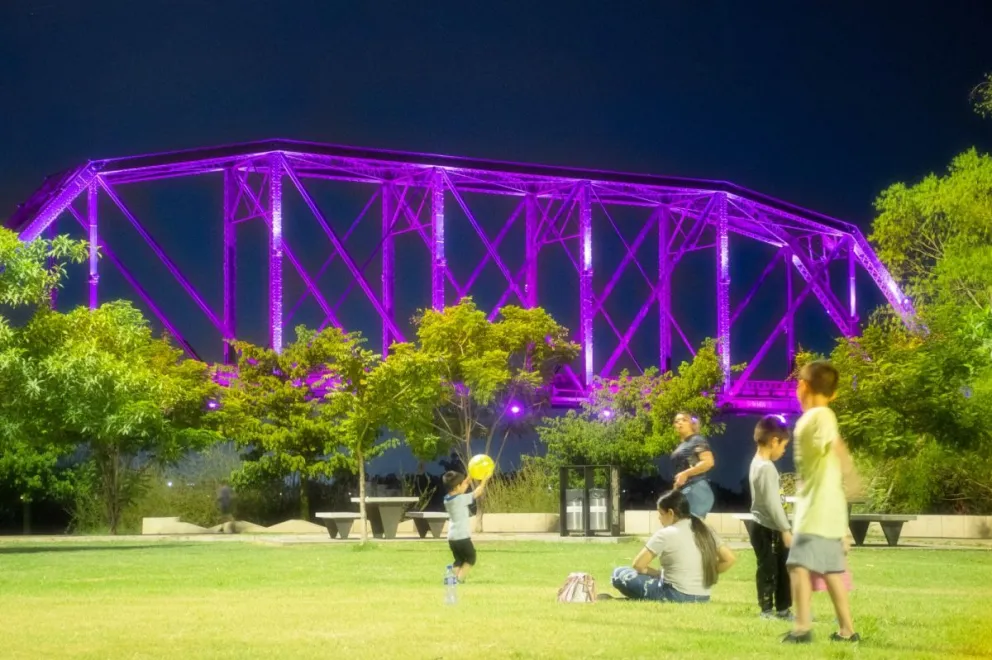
x=243, y=600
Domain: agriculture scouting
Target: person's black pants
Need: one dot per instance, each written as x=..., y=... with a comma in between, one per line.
x=772, y=576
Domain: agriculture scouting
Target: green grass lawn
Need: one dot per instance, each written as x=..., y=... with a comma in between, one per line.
x=243, y=600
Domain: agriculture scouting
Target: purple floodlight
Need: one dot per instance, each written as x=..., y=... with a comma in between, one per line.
x=515, y=409
x=606, y=413
x=561, y=209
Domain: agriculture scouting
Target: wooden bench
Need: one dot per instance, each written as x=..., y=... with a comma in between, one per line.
x=428, y=520
x=891, y=526
x=338, y=522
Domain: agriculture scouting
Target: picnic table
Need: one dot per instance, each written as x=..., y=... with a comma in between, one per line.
x=385, y=513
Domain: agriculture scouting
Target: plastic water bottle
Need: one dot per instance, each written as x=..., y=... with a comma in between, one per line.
x=450, y=586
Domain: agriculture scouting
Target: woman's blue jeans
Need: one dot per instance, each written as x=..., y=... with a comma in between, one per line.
x=644, y=587
x=700, y=497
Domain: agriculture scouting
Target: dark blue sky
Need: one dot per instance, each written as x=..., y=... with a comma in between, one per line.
x=822, y=104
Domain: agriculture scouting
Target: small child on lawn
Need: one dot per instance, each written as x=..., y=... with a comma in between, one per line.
x=820, y=525
x=770, y=533
x=457, y=503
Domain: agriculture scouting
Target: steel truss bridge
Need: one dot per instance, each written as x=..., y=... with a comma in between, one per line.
x=559, y=207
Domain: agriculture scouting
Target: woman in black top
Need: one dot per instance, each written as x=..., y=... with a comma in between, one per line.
x=691, y=460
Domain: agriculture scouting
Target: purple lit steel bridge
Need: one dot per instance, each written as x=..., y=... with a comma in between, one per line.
x=558, y=207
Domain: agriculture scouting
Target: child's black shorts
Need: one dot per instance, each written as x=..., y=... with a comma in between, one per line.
x=463, y=552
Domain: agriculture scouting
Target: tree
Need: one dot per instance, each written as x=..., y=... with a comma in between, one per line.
x=29, y=272
x=494, y=376
x=937, y=234
x=277, y=412
x=908, y=406
x=914, y=404
x=100, y=380
x=370, y=398
x=627, y=421
x=981, y=96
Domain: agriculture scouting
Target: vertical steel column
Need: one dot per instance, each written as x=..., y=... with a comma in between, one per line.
x=790, y=335
x=229, y=320
x=530, y=250
x=664, y=293
x=852, y=262
x=388, y=264
x=439, y=266
x=586, y=304
x=276, y=169
x=723, y=287
x=93, y=237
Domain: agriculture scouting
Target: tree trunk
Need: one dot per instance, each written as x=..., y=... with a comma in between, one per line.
x=26, y=509
x=363, y=525
x=478, y=504
x=304, y=498
x=111, y=491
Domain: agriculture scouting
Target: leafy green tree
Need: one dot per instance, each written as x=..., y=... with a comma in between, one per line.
x=627, y=421
x=29, y=272
x=274, y=410
x=369, y=398
x=494, y=375
x=914, y=404
x=937, y=234
x=100, y=380
x=981, y=96
x=910, y=408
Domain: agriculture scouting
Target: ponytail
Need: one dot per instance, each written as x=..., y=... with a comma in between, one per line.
x=703, y=537
x=675, y=500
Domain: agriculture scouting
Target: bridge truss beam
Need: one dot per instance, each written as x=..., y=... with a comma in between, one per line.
x=559, y=208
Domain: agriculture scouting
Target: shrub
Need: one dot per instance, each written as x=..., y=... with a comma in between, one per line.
x=528, y=490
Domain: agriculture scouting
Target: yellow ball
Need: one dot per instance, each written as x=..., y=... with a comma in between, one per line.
x=480, y=467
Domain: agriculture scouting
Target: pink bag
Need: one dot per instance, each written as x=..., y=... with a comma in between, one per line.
x=819, y=584
x=578, y=588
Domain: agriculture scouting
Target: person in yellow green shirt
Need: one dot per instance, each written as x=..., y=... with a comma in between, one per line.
x=819, y=530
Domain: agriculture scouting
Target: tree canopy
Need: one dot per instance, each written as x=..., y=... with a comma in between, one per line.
x=494, y=375
x=99, y=380
x=628, y=420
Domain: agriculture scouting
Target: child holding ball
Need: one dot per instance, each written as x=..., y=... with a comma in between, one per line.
x=457, y=503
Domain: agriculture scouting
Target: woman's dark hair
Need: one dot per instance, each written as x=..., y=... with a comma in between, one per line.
x=675, y=501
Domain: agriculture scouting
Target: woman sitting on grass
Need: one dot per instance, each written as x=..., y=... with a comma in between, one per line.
x=692, y=558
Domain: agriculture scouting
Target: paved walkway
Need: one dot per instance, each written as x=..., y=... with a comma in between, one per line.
x=323, y=539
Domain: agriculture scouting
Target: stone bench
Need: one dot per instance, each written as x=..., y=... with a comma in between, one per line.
x=338, y=522
x=428, y=520
x=891, y=526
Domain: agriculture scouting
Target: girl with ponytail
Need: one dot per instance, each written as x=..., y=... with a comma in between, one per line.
x=692, y=556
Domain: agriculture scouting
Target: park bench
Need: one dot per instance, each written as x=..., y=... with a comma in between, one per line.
x=891, y=526
x=858, y=522
x=338, y=522
x=428, y=520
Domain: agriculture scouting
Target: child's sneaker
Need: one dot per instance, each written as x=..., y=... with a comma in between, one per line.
x=798, y=638
x=785, y=615
x=836, y=637
x=768, y=615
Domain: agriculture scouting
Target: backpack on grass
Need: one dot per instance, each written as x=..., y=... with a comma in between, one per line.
x=578, y=588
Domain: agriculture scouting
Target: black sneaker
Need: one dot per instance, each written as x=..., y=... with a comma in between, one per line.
x=798, y=638
x=836, y=637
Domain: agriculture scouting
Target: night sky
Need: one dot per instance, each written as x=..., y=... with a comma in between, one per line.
x=822, y=104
